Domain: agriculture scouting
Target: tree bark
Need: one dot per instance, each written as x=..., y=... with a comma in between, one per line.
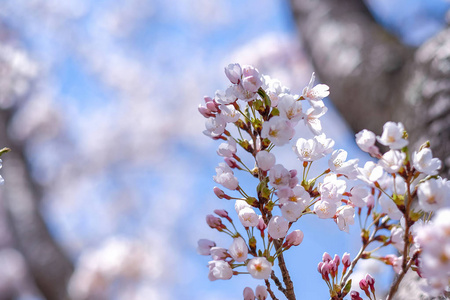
x=373, y=77
x=48, y=265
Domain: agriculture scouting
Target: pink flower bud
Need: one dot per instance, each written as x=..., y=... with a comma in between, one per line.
x=212, y=106
x=261, y=292
x=355, y=295
x=261, y=225
x=370, y=281
x=294, y=238
x=248, y=294
x=205, y=111
x=325, y=270
x=336, y=260
x=293, y=173
x=319, y=267
x=231, y=162
x=293, y=182
x=326, y=257
x=207, y=99
x=213, y=222
x=363, y=285
x=346, y=260
x=219, y=193
x=333, y=268
x=221, y=213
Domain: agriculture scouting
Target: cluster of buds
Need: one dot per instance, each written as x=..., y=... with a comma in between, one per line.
x=329, y=269
x=263, y=115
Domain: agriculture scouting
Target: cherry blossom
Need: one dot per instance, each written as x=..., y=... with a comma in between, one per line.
x=234, y=73
x=278, y=227
x=219, y=269
x=424, y=162
x=317, y=92
x=392, y=135
x=204, y=246
x=225, y=177
x=265, y=160
x=238, y=249
x=278, y=130
x=259, y=268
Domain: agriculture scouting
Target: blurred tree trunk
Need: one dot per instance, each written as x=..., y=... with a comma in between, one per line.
x=373, y=77
x=47, y=264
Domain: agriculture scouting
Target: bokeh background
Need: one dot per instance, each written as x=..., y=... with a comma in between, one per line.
x=110, y=176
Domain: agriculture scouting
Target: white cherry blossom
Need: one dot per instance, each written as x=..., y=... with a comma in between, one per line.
x=234, y=73
x=219, y=269
x=392, y=135
x=278, y=130
x=259, y=268
x=290, y=108
x=225, y=177
x=392, y=161
x=265, y=160
x=424, y=162
x=238, y=249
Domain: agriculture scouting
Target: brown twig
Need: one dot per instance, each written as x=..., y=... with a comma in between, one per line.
x=290, y=295
x=270, y=290
x=277, y=282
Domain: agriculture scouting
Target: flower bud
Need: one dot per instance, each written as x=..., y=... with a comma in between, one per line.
x=261, y=292
x=214, y=222
x=346, y=260
x=336, y=260
x=326, y=257
x=221, y=213
x=294, y=238
x=220, y=193
x=370, y=281
x=212, y=106
x=233, y=73
x=355, y=295
x=231, y=162
x=261, y=225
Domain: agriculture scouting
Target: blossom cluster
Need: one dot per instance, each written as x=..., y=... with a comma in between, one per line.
x=384, y=193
